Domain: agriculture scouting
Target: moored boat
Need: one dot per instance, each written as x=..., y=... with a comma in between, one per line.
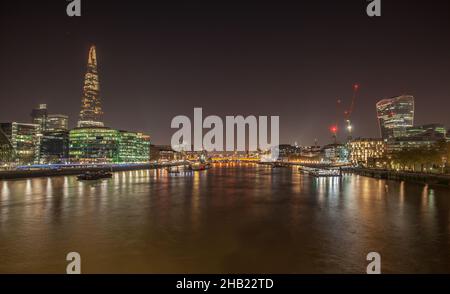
x=279, y=164
x=199, y=166
x=90, y=176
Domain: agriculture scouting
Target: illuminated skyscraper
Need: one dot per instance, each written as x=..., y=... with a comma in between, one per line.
x=39, y=116
x=91, y=109
x=395, y=115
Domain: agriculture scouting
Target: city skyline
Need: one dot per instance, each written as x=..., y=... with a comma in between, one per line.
x=390, y=111
x=155, y=79
x=267, y=140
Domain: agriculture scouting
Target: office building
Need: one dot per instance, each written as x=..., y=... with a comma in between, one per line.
x=57, y=123
x=335, y=153
x=367, y=152
x=395, y=115
x=24, y=139
x=6, y=149
x=93, y=145
x=424, y=136
x=54, y=147
x=91, y=109
x=106, y=145
x=39, y=116
x=134, y=147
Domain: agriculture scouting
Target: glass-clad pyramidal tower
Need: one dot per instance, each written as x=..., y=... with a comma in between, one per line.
x=91, y=108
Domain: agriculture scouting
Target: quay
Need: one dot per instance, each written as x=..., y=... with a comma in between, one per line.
x=417, y=177
x=67, y=170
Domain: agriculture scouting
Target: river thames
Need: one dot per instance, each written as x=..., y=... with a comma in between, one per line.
x=233, y=218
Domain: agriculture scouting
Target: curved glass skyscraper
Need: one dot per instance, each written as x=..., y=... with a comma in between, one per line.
x=395, y=115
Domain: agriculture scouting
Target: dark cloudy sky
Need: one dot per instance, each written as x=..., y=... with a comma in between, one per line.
x=292, y=59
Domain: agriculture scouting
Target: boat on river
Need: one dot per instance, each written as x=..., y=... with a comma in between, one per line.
x=198, y=166
x=91, y=176
x=317, y=172
x=279, y=164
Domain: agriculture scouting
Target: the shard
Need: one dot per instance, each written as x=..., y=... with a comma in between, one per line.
x=91, y=108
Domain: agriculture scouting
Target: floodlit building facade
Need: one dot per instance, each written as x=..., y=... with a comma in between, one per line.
x=366, y=152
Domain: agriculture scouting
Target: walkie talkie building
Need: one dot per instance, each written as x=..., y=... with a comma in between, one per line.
x=395, y=115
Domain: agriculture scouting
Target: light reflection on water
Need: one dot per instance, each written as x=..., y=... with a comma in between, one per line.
x=238, y=219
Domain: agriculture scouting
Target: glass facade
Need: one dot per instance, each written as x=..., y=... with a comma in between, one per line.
x=105, y=145
x=423, y=136
x=91, y=110
x=335, y=153
x=134, y=147
x=6, y=149
x=39, y=116
x=395, y=115
x=49, y=122
x=93, y=145
x=54, y=147
x=24, y=139
x=434, y=130
x=57, y=122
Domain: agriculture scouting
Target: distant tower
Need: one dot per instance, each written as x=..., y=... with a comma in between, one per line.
x=91, y=108
x=39, y=116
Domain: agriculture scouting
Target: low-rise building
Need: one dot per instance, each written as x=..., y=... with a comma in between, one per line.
x=163, y=153
x=106, y=145
x=335, y=153
x=367, y=151
x=423, y=136
x=311, y=151
x=133, y=147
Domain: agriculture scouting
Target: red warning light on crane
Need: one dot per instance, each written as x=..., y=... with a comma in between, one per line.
x=334, y=129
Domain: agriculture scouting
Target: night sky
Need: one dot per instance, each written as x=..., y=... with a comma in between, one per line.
x=292, y=59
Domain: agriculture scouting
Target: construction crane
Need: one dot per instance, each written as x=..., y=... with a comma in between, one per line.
x=347, y=112
x=334, y=130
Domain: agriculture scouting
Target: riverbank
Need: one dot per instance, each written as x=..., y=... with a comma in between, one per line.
x=423, y=178
x=36, y=173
